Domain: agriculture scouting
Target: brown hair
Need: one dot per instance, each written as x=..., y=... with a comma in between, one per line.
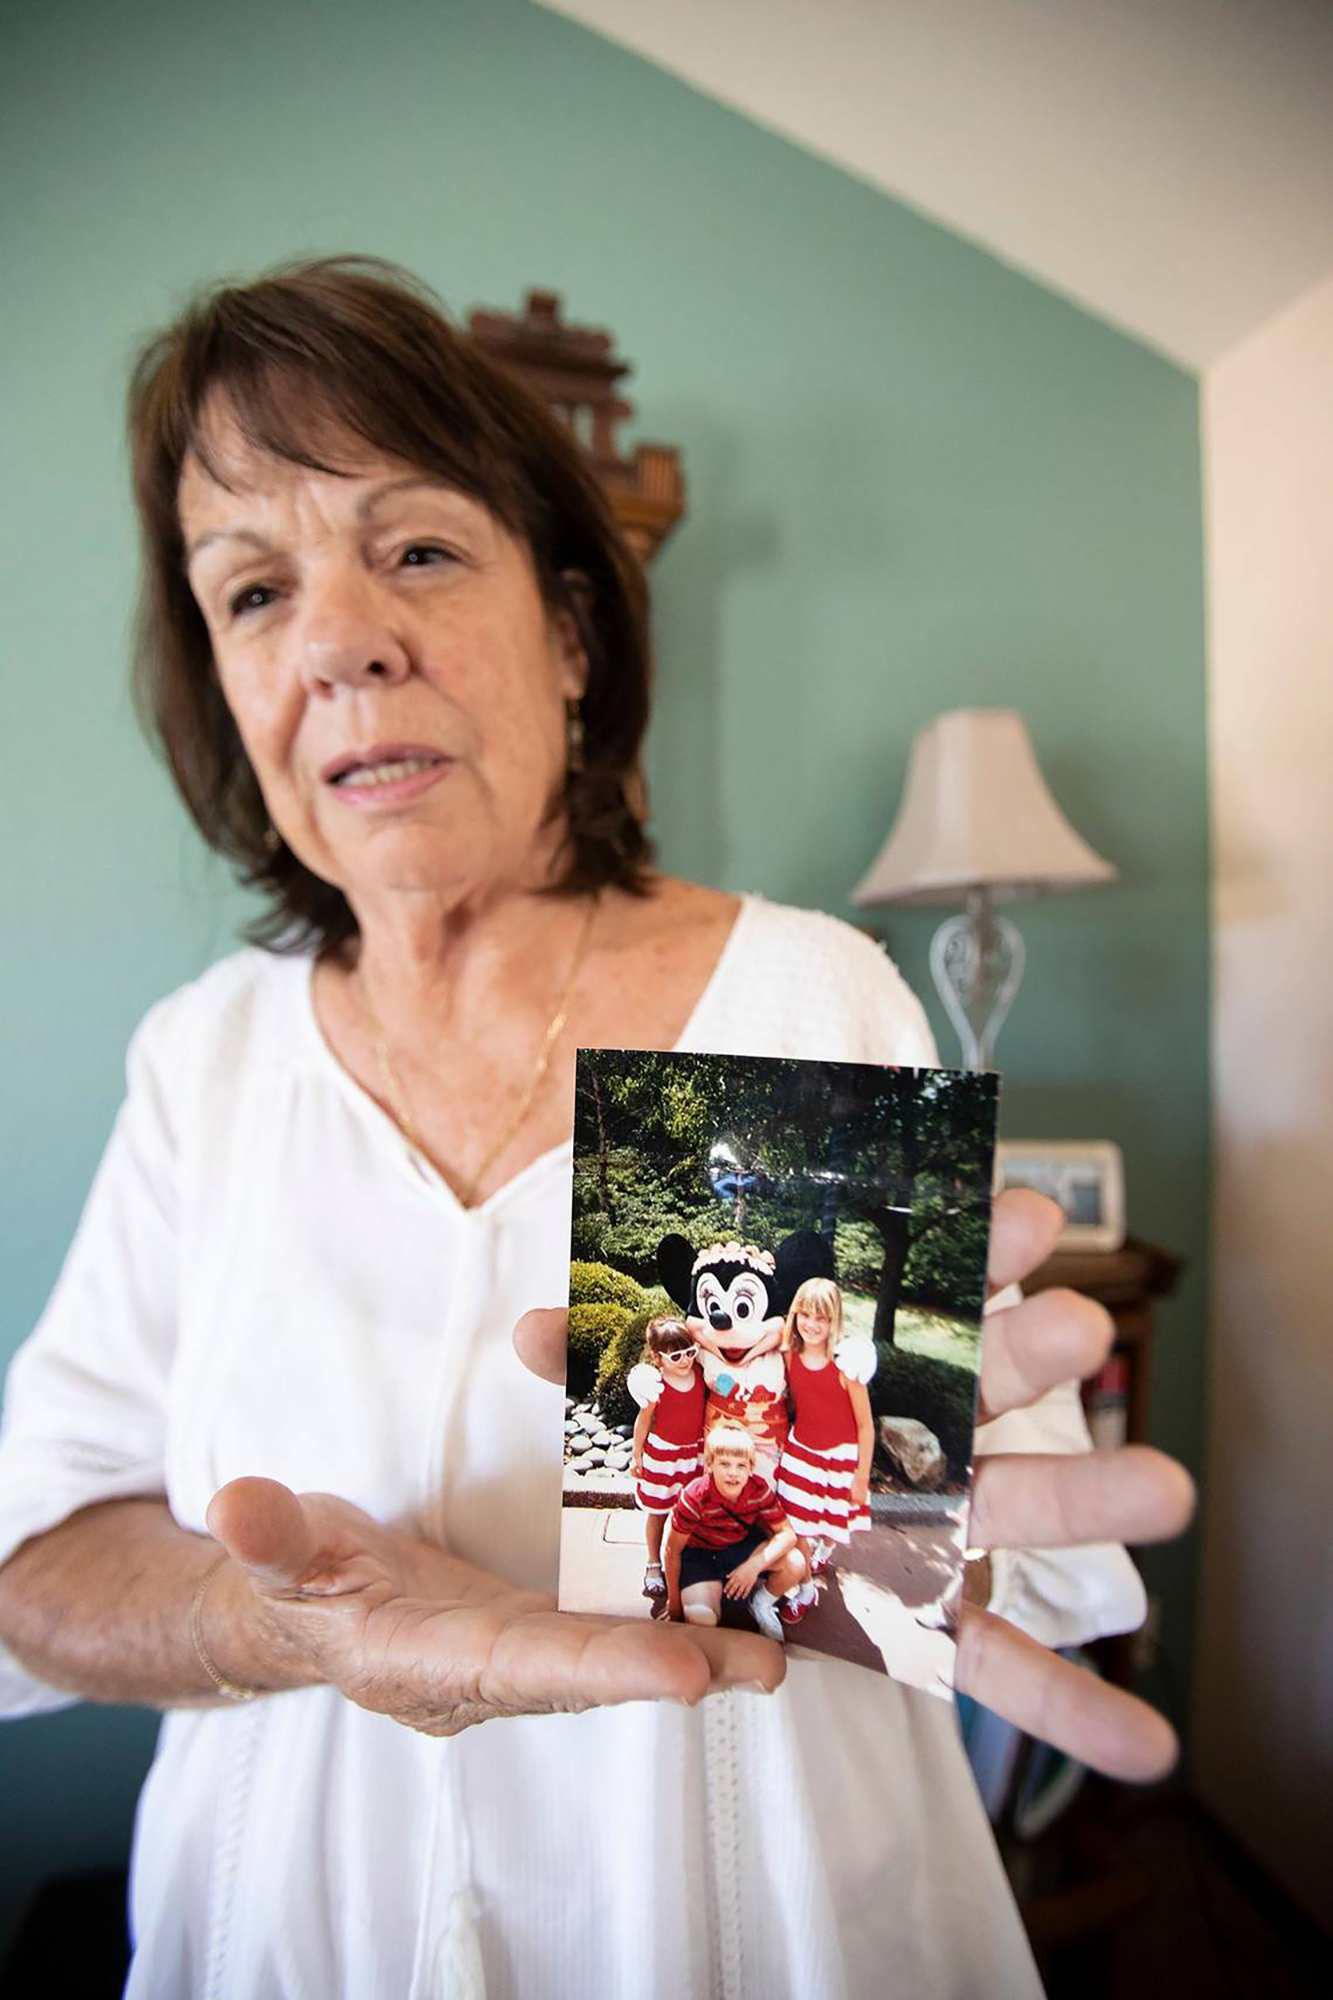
x=664, y=1333
x=305, y=357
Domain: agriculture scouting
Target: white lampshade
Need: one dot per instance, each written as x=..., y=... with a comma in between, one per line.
x=976, y=813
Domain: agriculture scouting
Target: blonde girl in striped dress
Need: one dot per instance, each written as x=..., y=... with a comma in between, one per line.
x=824, y=1474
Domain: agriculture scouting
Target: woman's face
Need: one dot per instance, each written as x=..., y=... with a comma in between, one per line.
x=396, y=678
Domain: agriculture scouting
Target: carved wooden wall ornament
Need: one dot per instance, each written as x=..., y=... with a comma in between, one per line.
x=576, y=370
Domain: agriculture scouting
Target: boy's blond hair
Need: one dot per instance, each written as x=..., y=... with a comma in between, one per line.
x=731, y=1435
x=822, y=1299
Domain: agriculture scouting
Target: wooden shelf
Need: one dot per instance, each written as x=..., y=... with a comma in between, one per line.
x=1128, y=1278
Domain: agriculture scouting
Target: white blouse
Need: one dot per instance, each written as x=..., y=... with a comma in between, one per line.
x=265, y=1280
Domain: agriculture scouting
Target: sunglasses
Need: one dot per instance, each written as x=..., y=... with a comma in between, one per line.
x=679, y=1353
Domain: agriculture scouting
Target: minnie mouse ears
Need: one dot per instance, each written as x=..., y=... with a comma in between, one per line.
x=675, y=1267
x=805, y=1254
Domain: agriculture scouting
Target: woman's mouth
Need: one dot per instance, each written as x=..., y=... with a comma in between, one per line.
x=391, y=776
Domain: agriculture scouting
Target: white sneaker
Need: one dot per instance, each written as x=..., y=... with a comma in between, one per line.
x=764, y=1610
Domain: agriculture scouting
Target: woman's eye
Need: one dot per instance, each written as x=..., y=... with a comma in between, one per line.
x=253, y=598
x=425, y=555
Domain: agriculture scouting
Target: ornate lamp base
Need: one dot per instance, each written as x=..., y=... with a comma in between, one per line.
x=977, y=963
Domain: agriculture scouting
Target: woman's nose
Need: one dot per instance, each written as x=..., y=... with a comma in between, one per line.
x=342, y=643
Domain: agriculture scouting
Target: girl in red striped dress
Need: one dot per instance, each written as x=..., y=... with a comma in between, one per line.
x=668, y=1437
x=824, y=1475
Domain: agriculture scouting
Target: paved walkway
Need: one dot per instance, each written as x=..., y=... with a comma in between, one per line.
x=868, y=1598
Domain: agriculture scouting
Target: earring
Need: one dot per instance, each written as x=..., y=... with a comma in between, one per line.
x=272, y=840
x=574, y=735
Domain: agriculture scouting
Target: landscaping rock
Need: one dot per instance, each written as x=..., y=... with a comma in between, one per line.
x=914, y=1451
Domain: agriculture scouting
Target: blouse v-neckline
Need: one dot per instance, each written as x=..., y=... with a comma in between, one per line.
x=423, y=1172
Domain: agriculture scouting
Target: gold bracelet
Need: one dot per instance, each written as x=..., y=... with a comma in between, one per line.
x=224, y=1686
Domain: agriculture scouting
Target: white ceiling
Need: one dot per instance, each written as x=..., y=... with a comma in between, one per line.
x=1166, y=163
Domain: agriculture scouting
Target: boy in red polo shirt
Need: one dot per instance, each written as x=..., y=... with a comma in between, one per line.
x=729, y=1535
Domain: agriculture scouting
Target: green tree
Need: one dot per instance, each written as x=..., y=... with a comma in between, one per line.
x=892, y=1164
x=918, y=1160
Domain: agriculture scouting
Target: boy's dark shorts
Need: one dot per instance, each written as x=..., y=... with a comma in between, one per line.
x=711, y=1565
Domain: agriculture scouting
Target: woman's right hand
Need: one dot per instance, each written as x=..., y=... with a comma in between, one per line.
x=318, y=1590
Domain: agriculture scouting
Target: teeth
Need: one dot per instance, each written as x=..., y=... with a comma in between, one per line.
x=386, y=774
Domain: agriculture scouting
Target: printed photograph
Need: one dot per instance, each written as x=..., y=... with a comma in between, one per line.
x=776, y=1284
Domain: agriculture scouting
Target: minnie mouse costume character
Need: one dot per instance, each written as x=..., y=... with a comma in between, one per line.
x=735, y=1297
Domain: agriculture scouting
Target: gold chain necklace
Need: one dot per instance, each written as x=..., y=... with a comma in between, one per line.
x=397, y=1096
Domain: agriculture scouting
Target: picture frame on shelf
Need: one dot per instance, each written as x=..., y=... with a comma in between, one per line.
x=1086, y=1177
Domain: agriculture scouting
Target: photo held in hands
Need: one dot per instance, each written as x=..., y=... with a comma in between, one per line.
x=776, y=1286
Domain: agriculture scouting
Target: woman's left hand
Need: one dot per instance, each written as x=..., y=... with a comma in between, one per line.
x=1134, y=1494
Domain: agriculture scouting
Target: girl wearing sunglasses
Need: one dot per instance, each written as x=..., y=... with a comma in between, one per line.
x=668, y=1436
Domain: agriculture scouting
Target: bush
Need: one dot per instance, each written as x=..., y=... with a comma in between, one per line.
x=592, y=1329
x=599, y=1285
x=645, y=1207
x=935, y=1393
x=946, y=1265
x=619, y=1356
x=858, y=1249
x=588, y=1236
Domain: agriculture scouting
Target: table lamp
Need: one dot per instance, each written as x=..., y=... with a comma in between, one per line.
x=977, y=825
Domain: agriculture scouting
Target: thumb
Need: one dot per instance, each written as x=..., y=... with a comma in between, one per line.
x=264, y=1526
x=539, y=1339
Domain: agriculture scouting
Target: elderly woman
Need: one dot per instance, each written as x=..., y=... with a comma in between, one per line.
x=273, y=1462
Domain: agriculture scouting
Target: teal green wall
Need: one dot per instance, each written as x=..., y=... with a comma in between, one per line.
x=916, y=480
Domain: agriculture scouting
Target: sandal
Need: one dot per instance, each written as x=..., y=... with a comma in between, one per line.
x=654, y=1581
